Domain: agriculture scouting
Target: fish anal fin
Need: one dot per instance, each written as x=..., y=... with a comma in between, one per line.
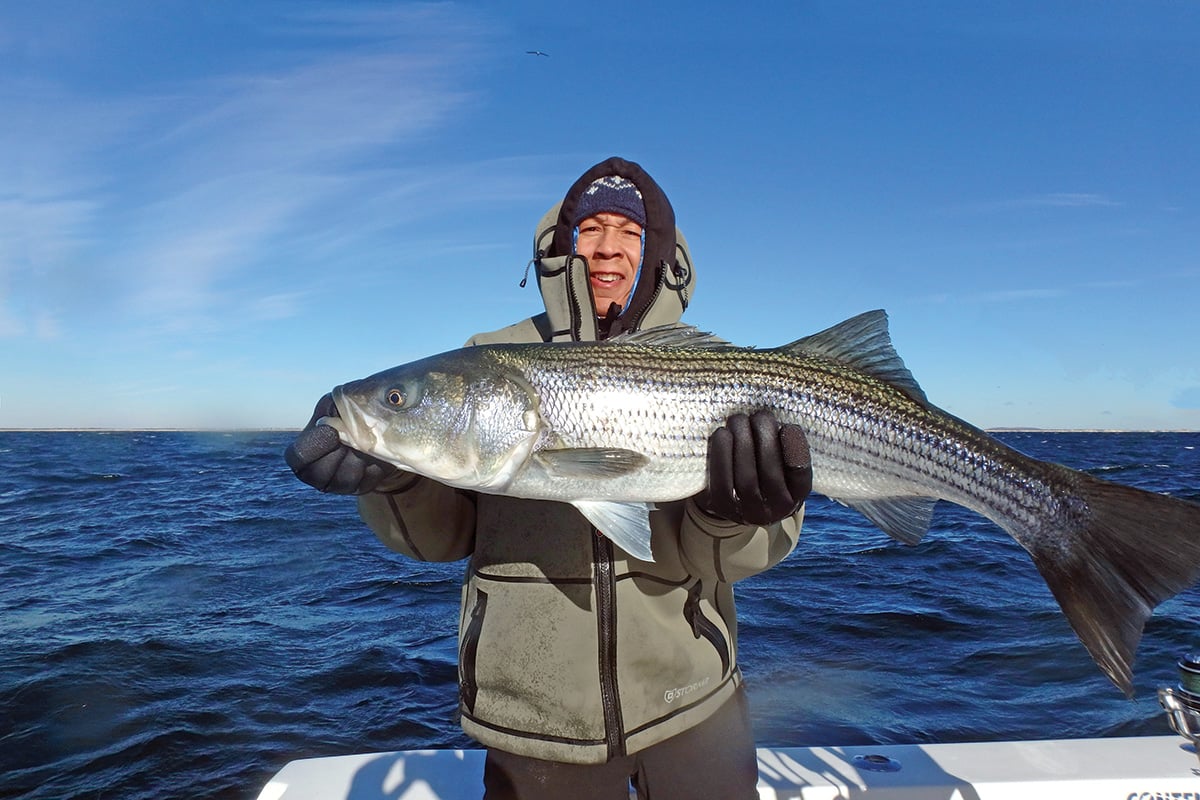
x=627, y=524
x=905, y=519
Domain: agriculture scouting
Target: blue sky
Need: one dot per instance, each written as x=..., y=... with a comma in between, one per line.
x=211, y=213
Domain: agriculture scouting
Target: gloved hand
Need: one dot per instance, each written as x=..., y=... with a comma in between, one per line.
x=319, y=458
x=758, y=471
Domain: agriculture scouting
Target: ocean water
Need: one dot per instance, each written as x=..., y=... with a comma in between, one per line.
x=180, y=617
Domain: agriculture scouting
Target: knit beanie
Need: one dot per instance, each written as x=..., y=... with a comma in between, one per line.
x=612, y=194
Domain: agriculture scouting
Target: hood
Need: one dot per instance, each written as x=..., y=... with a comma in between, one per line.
x=665, y=282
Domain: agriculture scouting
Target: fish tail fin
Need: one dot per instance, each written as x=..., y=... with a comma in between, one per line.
x=1127, y=551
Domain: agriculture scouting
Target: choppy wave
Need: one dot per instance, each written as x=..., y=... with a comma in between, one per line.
x=180, y=618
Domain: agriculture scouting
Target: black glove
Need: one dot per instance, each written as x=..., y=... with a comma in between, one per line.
x=319, y=458
x=758, y=471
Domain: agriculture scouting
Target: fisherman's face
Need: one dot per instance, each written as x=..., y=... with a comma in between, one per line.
x=612, y=245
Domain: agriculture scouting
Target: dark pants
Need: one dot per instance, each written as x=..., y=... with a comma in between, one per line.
x=715, y=759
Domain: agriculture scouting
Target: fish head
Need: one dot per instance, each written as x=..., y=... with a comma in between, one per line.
x=456, y=418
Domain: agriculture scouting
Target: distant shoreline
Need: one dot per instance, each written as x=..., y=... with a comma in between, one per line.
x=1092, y=430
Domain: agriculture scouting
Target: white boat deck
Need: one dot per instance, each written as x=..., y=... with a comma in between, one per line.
x=1137, y=768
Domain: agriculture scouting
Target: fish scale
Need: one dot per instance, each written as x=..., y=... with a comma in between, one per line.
x=858, y=439
x=614, y=427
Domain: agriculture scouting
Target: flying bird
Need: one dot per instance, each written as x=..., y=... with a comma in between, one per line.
x=537, y=53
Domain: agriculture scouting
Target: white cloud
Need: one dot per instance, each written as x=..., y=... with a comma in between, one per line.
x=277, y=306
x=156, y=201
x=1068, y=200
x=1062, y=200
x=1016, y=295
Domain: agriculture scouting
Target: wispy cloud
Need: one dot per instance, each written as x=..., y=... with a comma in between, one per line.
x=1017, y=295
x=1045, y=200
x=277, y=306
x=190, y=182
x=997, y=296
x=1067, y=200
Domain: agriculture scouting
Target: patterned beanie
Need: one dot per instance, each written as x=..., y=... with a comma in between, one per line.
x=612, y=194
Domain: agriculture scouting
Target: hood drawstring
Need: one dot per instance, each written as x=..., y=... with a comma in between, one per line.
x=525, y=277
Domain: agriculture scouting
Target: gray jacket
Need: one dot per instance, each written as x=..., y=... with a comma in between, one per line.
x=569, y=648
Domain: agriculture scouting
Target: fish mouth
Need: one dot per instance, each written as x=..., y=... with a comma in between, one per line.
x=349, y=422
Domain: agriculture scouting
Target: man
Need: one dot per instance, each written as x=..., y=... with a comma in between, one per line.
x=582, y=668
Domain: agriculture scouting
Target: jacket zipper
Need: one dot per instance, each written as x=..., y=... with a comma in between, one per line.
x=702, y=626
x=467, y=686
x=606, y=590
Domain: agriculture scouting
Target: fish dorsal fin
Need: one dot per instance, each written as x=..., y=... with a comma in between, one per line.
x=862, y=342
x=676, y=334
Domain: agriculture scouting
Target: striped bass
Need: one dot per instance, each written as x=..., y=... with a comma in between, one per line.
x=613, y=427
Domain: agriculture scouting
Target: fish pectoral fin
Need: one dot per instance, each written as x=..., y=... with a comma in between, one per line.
x=905, y=519
x=627, y=524
x=590, y=462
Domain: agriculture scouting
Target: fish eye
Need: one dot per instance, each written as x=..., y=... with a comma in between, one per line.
x=395, y=397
